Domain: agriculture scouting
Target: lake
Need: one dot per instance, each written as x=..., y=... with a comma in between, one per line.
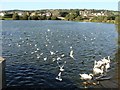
x=34, y=50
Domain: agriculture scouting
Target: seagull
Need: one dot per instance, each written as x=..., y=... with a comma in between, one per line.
x=47, y=40
x=86, y=76
x=20, y=38
x=68, y=36
x=32, y=52
x=58, y=58
x=37, y=49
x=23, y=41
x=59, y=41
x=38, y=56
x=65, y=41
x=59, y=77
x=45, y=58
x=48, y=30
x=61, y=67
x=18, y=45
x=53, y=59
x=9, y=44
x=62, y=55
x=35, y=45
x=52, y=46
x=70, y=47
x=52, y=53
x=41, y=54
x=71, y=54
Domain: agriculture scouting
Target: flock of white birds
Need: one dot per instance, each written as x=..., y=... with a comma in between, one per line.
x=57, y=59
x=100, y=67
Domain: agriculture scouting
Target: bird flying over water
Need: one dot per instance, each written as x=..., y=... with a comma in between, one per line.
x=59, y=77
x=61, y=67
x=71, y=54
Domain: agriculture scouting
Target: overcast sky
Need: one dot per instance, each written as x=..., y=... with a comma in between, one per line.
x=58, y=4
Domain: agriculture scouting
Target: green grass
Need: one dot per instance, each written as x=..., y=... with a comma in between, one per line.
x=7, y=18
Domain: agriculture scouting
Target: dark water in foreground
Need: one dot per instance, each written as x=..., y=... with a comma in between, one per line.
x=27, y=46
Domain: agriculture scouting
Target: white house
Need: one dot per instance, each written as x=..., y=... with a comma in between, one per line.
x=48, y=14
x=20, y=13
x=2, y=14
x=33, y=14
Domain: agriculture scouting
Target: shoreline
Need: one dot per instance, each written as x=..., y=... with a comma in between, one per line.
x=66, y=20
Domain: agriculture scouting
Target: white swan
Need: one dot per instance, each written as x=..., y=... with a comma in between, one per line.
x=106, y=60
x=45, y=58
x=107, y=66
x=59, y=77
x=86, y=76
x=97, y=71
x=98, y=64
x=52, y=53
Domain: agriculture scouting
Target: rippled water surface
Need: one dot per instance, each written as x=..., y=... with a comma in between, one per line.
x=27, y=47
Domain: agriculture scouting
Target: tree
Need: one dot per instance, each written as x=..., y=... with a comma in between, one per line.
x=71, y=16
x=43, y=17
x=48, y=17
x=15, y=16
x=35, y=17
x=117, y=19
x=25, y=16
x=79, y=18
x=67, y=16
x=8, y=15
x=63, y=14
x=54, y=18
x=105, y=19
x=29, y=18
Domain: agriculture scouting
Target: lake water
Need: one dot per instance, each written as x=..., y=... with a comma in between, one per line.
x=27, y=47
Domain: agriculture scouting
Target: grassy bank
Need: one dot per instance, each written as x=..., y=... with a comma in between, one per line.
x=108, y=21
x=6, y=19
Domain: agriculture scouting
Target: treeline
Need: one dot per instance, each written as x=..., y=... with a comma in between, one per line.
x=15, y=16
x=66, y=14
x=75, y=16
x=108, y=19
